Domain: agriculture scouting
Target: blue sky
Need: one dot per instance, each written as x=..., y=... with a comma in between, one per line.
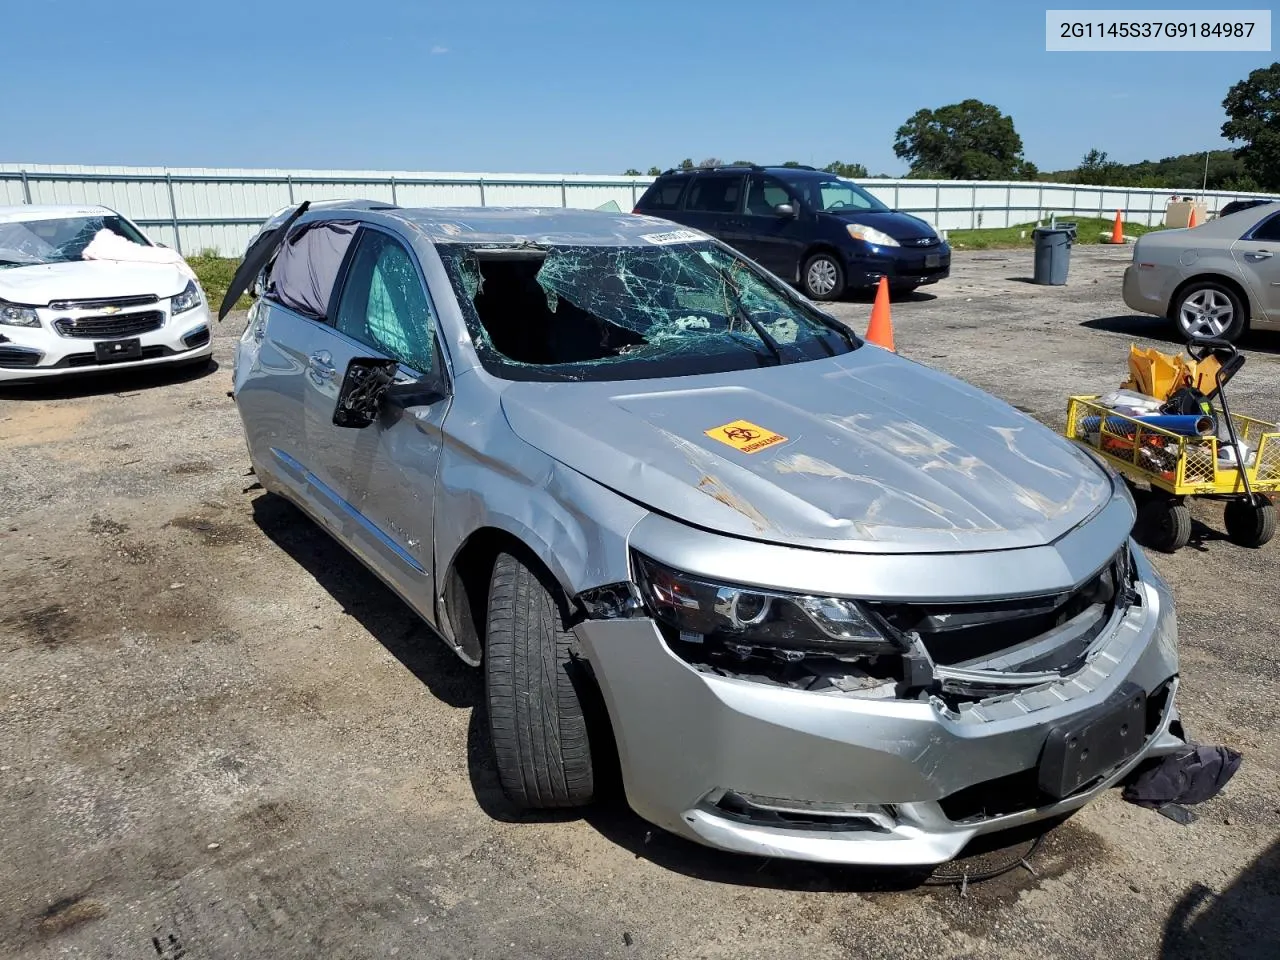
x=570, y=86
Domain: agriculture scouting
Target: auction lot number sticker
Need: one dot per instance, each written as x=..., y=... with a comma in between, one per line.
x=1137, y=30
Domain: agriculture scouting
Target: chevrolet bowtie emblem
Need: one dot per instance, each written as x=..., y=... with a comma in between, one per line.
x=110, y=309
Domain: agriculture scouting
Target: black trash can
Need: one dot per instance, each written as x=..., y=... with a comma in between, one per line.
x=1053, y=253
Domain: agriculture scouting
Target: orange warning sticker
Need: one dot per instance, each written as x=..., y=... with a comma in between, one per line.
x=745, y=436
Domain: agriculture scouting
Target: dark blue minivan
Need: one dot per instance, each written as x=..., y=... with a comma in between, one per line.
x=812, y=228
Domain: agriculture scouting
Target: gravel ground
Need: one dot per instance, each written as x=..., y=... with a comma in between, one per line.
x=220, y=737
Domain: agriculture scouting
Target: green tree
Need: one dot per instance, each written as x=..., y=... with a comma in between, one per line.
x=793, y=164
x=970, y=140
x=712, y=162
x=1253, y=112
x=841, y=169
x=686, y=164
x=631, y=172
x=1097, y=170
x=654, y=172
x=742, y=163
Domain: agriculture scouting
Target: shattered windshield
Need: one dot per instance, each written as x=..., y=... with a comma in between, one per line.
x=627, y=312
x=59, y=240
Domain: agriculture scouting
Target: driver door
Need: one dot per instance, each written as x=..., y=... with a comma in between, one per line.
x=382, y=477
x=773, y=241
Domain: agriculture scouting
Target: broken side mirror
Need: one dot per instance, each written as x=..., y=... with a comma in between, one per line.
x=785, y=210
x=363, y=387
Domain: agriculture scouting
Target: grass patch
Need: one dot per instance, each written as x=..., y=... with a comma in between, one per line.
x=215, y=275
x=1088, y=230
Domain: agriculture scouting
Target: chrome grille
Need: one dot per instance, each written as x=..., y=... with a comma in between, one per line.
x=101, y=302
x=118, y=325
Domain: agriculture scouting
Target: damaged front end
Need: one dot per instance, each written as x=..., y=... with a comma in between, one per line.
x=882, y=730
x=955, y=652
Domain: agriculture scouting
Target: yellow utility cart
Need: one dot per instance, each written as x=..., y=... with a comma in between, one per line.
x=1174, y=466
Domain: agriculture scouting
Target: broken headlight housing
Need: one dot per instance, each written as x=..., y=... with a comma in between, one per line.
x=746, y=619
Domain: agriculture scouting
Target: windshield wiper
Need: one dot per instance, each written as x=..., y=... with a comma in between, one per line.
x=740, y=312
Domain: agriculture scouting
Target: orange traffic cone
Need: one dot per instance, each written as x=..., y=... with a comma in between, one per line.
x=1191, y=220
x=880, y=330
x=1117, y=232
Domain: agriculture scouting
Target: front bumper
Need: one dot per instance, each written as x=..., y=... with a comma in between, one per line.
x=684, y=737
x=902, y=265
x=37, y=353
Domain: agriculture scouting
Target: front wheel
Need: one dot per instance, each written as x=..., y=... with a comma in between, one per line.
x=822, y=277
x=536, y=720
x=1209, y=310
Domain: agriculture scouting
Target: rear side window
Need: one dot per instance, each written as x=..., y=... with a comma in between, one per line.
x=715, y=193
x=1269, y=230
x=665, y=194
x=306, y=268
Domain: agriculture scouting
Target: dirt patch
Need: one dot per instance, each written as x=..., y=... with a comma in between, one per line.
x=191, y=468
x=50, y=626
x=32, y=423
x=67, y=913
x=106, y=527
x=213, y=533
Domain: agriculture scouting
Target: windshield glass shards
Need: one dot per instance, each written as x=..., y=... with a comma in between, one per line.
x=57, y=240
x=631, y=312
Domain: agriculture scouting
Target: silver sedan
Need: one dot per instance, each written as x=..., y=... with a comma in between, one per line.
x=817, y=600
x=1217, y=280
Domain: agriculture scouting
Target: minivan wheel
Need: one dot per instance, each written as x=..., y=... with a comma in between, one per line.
x=1209, y=310
x=822, y=277
x=536, y=720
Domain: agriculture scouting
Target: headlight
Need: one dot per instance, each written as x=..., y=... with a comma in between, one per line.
x=746, y=618
x=188, y=299
x=871, y=235
x=17, y=316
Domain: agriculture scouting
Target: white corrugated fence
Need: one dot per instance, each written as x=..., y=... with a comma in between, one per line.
x=195, y=208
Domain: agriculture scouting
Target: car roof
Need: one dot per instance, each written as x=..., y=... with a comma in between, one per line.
x=27, y=212
x=777, y=169
x=505, y=225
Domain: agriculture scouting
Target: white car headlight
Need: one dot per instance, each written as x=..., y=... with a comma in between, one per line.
x=188, y=299
x=871, y=235
x=18, y=316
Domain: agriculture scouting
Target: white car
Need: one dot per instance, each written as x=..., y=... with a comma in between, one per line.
x=83, y=289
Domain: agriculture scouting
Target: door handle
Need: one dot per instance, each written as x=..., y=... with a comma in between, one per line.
x=1258, y=255
x=320, y=365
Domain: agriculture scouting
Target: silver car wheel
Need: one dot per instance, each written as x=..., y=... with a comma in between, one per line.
x=1206, y=313
x=822, y=277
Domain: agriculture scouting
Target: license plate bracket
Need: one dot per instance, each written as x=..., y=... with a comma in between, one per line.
x=932, y=260
x=118, y=351
x=1086, y=747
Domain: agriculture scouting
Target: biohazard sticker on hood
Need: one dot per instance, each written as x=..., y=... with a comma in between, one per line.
x=745, y=436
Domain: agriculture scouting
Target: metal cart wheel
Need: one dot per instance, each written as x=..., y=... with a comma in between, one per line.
x=1250, y=524
x=1164, y=524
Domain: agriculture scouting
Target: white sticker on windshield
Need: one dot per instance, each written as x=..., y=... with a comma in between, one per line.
x=672, y=236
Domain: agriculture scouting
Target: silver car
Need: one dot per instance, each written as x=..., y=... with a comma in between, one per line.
x=1213, y=281
x=837, y=606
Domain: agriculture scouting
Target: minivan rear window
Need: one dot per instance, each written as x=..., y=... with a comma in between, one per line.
x=715, y=193
x=665, y=194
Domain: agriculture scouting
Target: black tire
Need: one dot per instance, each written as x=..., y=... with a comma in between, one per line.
x=536, y=720
x=1189, y=297
x=1164, y=525
x=1250, y=525
x=826, y=265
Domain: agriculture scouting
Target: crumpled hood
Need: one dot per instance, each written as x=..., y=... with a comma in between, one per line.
x=38, y=284
x=878, y=454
